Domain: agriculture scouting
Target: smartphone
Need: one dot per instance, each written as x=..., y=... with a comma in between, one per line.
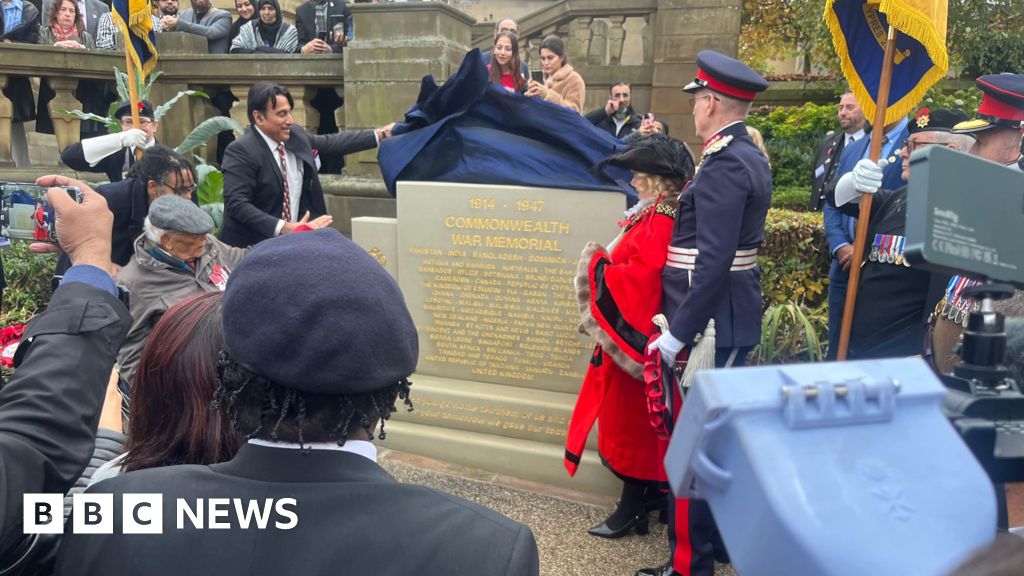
x=649, y=118
x=537, y=75
x=25, y=214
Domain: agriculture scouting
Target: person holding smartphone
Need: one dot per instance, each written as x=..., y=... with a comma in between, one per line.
x=316, y=20
x=618, y=117
x=562, y=85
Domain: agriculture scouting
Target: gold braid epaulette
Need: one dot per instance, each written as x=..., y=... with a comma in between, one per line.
x=666, y=210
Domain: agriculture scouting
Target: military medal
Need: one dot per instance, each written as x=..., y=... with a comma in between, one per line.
x=899, y=250
x=873, y=257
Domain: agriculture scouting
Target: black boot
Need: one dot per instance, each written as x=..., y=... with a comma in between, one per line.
x=665, y=570
x=656, y=499
x=629, y=515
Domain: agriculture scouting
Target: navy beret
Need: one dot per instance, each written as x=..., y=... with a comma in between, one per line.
x=314, y=312
x=939, y=120
x=725, y=75
x=145, y=109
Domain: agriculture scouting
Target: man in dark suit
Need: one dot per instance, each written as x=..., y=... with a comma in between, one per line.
x=343, y=346
x=270, y=178
x=711, y=271
x=617, y=117
x=840, y=228
x=113, y=154
x=851, y=120
x=50, y=408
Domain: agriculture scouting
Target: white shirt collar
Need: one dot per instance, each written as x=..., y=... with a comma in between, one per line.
x=270, y=142
x=361, y=447
x=854, y=136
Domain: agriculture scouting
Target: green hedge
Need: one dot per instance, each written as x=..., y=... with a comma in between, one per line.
x=793, y=198
x=792, y=135
x=794, y=263
x=794, y=258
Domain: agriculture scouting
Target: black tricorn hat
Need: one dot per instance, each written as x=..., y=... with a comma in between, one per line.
x=655, y=154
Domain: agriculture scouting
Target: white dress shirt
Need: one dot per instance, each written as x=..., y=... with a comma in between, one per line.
x=361, y=447
x=295, y=171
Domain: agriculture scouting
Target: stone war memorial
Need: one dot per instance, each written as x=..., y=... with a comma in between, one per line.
x=487, y=272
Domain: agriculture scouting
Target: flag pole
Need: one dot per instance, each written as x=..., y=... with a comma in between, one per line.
x=133, y=92
x=882, y=102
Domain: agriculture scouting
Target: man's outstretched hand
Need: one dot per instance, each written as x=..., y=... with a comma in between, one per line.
x=83, y=230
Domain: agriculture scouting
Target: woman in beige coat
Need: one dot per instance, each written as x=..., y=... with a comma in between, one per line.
x=562, y=85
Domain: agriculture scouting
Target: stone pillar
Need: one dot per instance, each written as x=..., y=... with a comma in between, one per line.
x=304, y=113
x=578, y=42
x=6, y=113
x=339, y=112
x=65, y=127
x=681, y=29
x=616, y=36
x=393, y=47
x=239, y=110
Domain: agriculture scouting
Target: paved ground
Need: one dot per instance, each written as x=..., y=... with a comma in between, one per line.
x=559, y=518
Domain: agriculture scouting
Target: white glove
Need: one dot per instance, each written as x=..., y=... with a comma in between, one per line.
x=96, y=149
x=865, y=178
x=668, y=345
x=867, y=175
x=133, y=138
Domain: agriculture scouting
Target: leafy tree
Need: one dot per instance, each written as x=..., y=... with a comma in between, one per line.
x=983, y=37
x=779, y=29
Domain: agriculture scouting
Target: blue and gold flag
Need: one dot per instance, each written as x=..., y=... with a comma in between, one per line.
x=140, y=41
x=859, y=31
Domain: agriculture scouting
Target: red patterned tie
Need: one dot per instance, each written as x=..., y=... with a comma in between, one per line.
x=286, y=213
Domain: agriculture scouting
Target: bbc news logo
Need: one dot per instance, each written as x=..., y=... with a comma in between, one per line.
x=144, y=514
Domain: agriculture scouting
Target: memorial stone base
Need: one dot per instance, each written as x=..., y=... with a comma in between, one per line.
x=487, y=272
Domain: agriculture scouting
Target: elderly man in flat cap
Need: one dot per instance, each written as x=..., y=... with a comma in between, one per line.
x=318, y=347
x=711, y=272
x=175, y=257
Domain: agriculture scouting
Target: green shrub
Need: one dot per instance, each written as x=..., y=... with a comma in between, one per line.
x=28, y=283
x=793, y=198
x=964, y=100
x=794, y=258
x=792, y=135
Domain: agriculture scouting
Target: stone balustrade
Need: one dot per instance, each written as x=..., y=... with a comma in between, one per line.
x=63, y=68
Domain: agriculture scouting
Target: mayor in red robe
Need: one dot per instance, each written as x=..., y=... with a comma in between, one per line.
x=619, y=289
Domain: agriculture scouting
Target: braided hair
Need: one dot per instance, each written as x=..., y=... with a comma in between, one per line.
x=261, y=408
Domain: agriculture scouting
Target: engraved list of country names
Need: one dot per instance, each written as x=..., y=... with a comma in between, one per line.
x=488, y=272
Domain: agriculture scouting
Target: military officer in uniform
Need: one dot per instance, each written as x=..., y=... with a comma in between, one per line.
x=711, y=272
x=893, y=298
x=113, y=154
x=997, y=128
